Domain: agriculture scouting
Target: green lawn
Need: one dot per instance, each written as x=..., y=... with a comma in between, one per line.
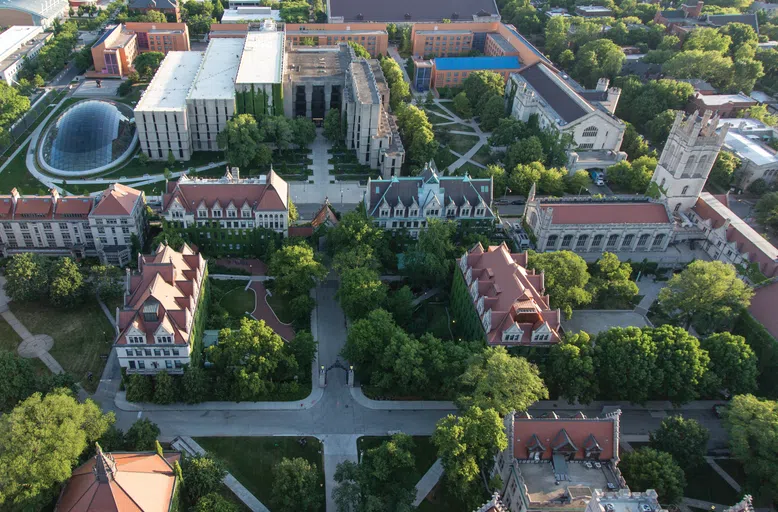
x=81, y=335
x=461, y=143
x=436, y=118
x=16, y=175
x=280, y=308
x=134, y=169
x=239, y=301
x=251, y=459
x=437, y=109
x=469, y=168
x=424, y=452
x=705, y=484
x=482, y=156
x=9, y=340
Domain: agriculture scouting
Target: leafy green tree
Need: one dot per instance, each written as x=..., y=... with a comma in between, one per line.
x=707, y=39
x=332, y=126
x=634, y=176
x=467, y=445
x=744, y=39
x=304, y=131
x=685, y=439
x=295, y=486
x=12, y=106
x=658, y=128
x=745, y=74
x=399, y=92
x=428, y=264
x=482, y=86
x=356, y=231
x=140, y=388
x=760, y=112
x=240, y=140
x=733, y=364
x=723, y=169
x=19, y=380
x=40, y=441
x=203, y=475
x=215, y=502
x=141, y=436
x=647, y=468
x=706, y=293
x=491, y=113
x=27, y=276
x=557, y=30
x=151, y=17
x=766, y=210
x=400, y=304
x=611, y=285
x=194, y=384
x=278, y=130
x=496, y=380
x=67, y=283
x=360, y=292
x=359, y=50
x=392, y=71
x=640, y=103
x=578, y=182
x=567, y=59
x=218, y=10
x=597, y=59
x=295, y=269
x=625, y=359
x=303, y=348
x=165, y=388
x=147, y=64
x=416, y=133
x=633, y=144
x=710, y=66
x=360, y=348
x=570, y=371
x=462, y=106
x=112, y=440
x=566, y=276
x=752, y=426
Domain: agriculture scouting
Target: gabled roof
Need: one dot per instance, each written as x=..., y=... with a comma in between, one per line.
x=324, y=216
x=563, y=443
x=567, y=433
x=719, y=20
x=559, y=95
x=118, y=199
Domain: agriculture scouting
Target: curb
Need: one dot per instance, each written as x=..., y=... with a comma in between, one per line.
x=392, y=405
x=120, y=400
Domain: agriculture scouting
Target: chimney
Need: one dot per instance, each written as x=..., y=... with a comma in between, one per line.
x=236, y=173
x=602, y=84
x=15, y=195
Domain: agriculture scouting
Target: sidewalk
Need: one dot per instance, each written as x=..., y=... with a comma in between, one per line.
x=718, y=469
x=188, y=445
x=396, y=405
x=311, y=400
x=428, y=481
x=337, y=449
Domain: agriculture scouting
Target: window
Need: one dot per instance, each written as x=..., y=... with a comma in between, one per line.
x=164, y=339
x=135, y=339
x=157, y=352
x=581, y=242
x=479, y=212
x=217, y=214
x=141, y=365
x=677, y=207
x=202, y=213
x=627, y=242
x=176, y=352
x=232, y=214
x=658, y=239
x=612, y=240
x=590, y=131
x=643, y=240
x=567, y=240
x=551, y=243
x=168, y=363
x=129, y=352
x=132, y=365
x=597, y=240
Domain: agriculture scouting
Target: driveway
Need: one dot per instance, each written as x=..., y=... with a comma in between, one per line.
x=263, y=311
x=594, y=321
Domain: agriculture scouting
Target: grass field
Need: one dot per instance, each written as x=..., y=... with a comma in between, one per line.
x=15, y=175
x=734, y=469
x=482, y=156
x=424, y=452
x=251, y=459
x=461, y=143
x=81, y=336
x=705, y=484
x=280, y=308
x=437, y=109
x=239, y=301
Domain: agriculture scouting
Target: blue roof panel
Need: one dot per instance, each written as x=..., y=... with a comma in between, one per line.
x=476, y=63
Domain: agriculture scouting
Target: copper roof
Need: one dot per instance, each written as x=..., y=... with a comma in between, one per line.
x=121, y=482
x=603, y=213
x=577, y=434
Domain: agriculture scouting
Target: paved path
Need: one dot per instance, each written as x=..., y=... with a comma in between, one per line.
x=190, y=446
x=718, y=469
x=649, y=287
x=337, y=449
x=482, y=138
x=393, y=53
x=426, y=295
x=321, y=167
x=706, y=505
x=263, y=311
x=428, y=481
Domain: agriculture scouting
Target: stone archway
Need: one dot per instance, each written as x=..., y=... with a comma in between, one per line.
x=336, y=365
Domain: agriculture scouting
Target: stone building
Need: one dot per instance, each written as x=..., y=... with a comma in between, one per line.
x=314, y=80
x=77, y=226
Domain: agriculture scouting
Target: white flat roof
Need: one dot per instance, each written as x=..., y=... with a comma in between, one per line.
x=262, y=61
x=739, y=224
x=170, y=86
x=722, y=99
x=218, y=69
x=747, y=123
x=14, y=37
x=750, y=149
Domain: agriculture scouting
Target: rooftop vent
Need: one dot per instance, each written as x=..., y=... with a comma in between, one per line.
x=407, y=15
x=455, y=16
x=360, y=16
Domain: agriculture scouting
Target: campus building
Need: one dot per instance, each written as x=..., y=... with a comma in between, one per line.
x=258, y=84
x=497, y=298
x=250, y=14
x=158, y=327
x=410, y=11
x=373, y=36
x=17, y=45
x=452, y=71
x=747, y=139
x=116, y=50
x=77, y=226
x=410, y=202
x=40, y=13
x=562, y=104
x=722, y=105
x=681, y=22
x=169, y=8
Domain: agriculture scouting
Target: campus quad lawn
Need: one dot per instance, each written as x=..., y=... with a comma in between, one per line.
x=437, y=109
x=482, y=155
x=81, y=335
x=9, y=341
x=461, y=143
x=424, y=451
x=280, y=308
x=15, y=175
x=703, y=483
x=238, y=301
x=251, y=459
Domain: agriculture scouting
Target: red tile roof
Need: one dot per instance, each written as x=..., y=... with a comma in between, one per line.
x=118, y=200
x=301, y=231
x=554, y=431
x=40, y=207
x=325, y=215
x=121, y=482
x=513, y=294
x=73, y=206
x=764, y=306
x=603, y=213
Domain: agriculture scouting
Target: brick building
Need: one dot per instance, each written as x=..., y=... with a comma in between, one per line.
x=116, y=50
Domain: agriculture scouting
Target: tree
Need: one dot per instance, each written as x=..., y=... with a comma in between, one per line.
x=707, y=39
x=142, y=435
x=360, y=348
x=565, y=277
x=744, y=39
x=152, y=17
x=359, y=50
x=760, y=112
x=429, y=263
x=399, y=92
x=360, y=292
x=524, y=151
x=647, y=468
x=12, y=106
x=462, y=106
x=295, y=270
x=640, y=103
x=597, y=59
x=723, y=169
x=493, y=110
x=577, y=182
x=625, y=359
x=745, y=74
x=685, y=439
x=278, y=130
x=710, y=66
x=147, y=64
x=26, y=277
x=633, y=176
x=19, y=380
x=658, y=129
x=240, y=140
x=304, y=131
x=496, y=380
x=67, y=283
x=165, y=391
x=218, y=10
x=706, y=293
x=416, y=133
x=482, y=86
x=400, y=304
x=570, y=371
x=140, y=388
x=40, y=441
x=467, y=444
x=332, y=126
x=194, y=384
x=752, y=427
x=392, y=71
x=567, y=59
x=633, y=144
x=766, y=210
x=214, y=502
x=295, y=486
x=611, y=284
x=733, y=364
x=203, y=475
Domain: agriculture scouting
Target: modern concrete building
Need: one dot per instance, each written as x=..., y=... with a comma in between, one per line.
x=78, y=226
x=258, y=85
x=747, y=138
x=161, y=114
x=373, y=36
x=560, y=103
x=41, y=13
x=18, y=44
x=314, y=80
x=116, y=50
x=155, y=328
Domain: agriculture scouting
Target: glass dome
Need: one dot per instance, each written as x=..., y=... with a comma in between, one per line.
x=89, y=135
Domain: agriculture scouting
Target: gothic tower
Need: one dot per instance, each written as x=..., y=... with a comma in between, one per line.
x=688, y=156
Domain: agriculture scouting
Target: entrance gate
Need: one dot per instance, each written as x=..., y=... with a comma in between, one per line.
x=337, y=364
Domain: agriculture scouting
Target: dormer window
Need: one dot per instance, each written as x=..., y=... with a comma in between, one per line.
x=202, y=213
x=385, y=212
x=480, y=305
x=177, y=214
x=479, y=212
x=164, y=339
x=232, y=214
x=414, y=213
x=433, y=212
x=217, y=214
x=451, y=211
x=465, y=211
x=136, y=339
x=246, y=213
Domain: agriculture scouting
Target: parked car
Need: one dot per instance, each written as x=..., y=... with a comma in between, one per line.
x=518, y=201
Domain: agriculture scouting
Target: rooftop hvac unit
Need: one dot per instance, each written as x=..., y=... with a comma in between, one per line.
x=407, y=15
x=360, y=16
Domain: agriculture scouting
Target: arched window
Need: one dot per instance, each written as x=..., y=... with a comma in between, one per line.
x=685, y=190
x=551, y=243
x=590, y=131
x=689, y=169
x=677, y=207
x=702, y=167
x=662, y=185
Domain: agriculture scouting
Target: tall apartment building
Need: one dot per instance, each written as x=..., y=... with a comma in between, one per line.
x=17, y=45
x=155, y=327
x=116, y=50
x=373, y=36
x=78, y=226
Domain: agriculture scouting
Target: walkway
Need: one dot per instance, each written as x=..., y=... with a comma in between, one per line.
x=338, y=192
x=190, y=446
x=482, y=137
x=718, y=469
x=428, y=481
x=263, y=311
